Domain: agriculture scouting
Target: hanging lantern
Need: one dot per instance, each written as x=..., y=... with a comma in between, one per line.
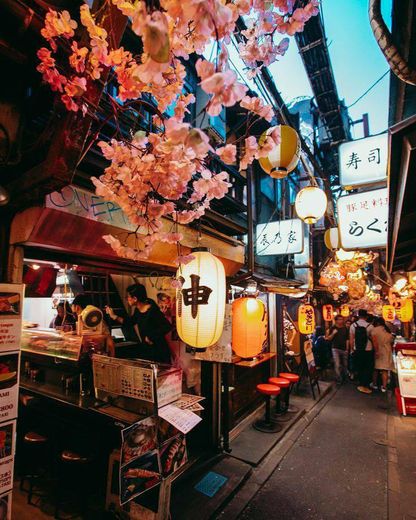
x=249, y=326
x=327, y=312
x=331, y=238
x=285, y=156
x=310, y=204
x=200, y=303
x=306, y=319
x=388, y=312
x=404, y=310
x=345, y=311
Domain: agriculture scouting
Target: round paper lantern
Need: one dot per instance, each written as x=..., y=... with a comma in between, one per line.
x=200, y=303
x=306, y=319
x=310, y=204
x=331, y=238
x=285, y=156
x=404, y=310
x=327, y=312
x=249, y=326
x=345, y=311
x=388, y=312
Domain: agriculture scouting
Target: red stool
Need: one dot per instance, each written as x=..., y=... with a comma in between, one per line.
x=284, y=385
x=267, y=425
x=293, y=379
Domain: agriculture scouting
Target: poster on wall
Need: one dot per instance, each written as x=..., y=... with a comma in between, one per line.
x=221, y=351
x=9, y=385
x=11, y=308
x=7, y=450
x=362, y=219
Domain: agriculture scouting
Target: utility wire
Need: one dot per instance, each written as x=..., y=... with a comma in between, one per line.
x=369, y=89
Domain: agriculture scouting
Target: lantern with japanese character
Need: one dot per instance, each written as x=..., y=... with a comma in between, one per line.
x=345, y=311
x=249, y=326
x=200, y=303
x=404, y=310
x=306, y=319
x=388, y=312
x=328, y=312
x=284, y=156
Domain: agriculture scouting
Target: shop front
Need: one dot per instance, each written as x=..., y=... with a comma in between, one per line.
x=84, y=403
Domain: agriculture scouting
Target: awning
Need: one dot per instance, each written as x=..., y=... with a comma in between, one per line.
x=401, y=245
x=80, y=237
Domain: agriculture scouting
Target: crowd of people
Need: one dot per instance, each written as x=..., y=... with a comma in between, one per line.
x=360, y=348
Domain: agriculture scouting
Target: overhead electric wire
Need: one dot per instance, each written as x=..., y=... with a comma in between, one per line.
x=369, y=89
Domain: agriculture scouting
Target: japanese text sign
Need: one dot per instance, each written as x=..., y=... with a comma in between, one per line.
x=11, y=307
x=363, y=161
x=280, y=238
x=327, y=312
x=363, y=219
x=306, y=319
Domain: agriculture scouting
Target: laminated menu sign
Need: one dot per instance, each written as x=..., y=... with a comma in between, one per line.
x=9, y=386
x=7, y=449
x=123, y=377
x=183, y=420
x=11, y=307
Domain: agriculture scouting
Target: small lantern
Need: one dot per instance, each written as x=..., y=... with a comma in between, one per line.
x=404, y=310
x=200, y=303
x=388, y=312
x=249, y=326
x=310, y=204
x=331, y=238
x=306, y=319
x=345, y=311
x=327, y=312
x=285, y=156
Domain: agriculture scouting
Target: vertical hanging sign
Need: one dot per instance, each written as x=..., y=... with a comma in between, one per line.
x=11, y=309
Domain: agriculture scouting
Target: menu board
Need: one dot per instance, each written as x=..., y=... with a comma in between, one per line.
x=7, y=451
x=123, y=377
x=11, y=308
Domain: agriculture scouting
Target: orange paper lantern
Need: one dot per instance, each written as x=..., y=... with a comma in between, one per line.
x=345, y=311
x=404, y=310
x=388, y=312
x=328, y=312
x=249, y=326
x=306, y=319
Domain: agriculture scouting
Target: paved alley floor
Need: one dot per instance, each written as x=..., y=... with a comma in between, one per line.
x=337, y=469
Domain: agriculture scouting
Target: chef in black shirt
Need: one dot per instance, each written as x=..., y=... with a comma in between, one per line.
x=148, y=321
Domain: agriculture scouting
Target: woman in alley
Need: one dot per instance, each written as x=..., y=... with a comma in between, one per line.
x=382, y=340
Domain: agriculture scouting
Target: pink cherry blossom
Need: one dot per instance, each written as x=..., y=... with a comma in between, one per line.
x=257, y=106
x=227, y=153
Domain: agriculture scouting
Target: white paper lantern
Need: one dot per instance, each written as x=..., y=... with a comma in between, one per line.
x=200, y=303
x=310, y=204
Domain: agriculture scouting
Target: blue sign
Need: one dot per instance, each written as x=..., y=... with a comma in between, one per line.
x=211, y=484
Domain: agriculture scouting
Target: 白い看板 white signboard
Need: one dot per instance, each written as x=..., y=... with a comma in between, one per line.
x=363, y=161
x=362, y=219
x=280, y=238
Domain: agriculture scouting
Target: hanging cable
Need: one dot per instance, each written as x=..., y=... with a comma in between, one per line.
x=369, y=89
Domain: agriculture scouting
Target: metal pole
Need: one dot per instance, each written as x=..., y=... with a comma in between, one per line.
x=250, y=220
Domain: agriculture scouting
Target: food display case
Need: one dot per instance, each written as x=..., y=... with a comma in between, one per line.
x=405, y=361
x=57, y=357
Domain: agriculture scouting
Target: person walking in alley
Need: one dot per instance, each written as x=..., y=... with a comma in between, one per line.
x=338, y=335
x=361, y=344
x=382, y=340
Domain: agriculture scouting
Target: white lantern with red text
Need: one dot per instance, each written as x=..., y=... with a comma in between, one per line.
x=200, y=303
